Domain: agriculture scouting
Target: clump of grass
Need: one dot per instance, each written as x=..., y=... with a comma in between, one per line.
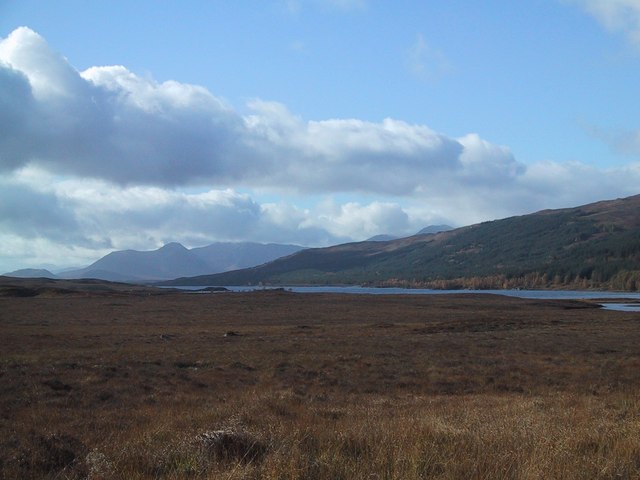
x=42, y=454
x=233, y=445
x=477, y=436
x=99, y=466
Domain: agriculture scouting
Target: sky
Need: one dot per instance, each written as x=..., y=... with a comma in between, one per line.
x=128, y=125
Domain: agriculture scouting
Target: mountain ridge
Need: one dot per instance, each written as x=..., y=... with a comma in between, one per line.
x=174, y=260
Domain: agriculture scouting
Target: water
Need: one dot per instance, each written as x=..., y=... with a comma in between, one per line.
x=622, y=307
x=533, y=294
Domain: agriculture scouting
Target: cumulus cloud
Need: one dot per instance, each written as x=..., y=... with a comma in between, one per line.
x=107, y=122
x=111, y=124
x=486, y=163
x=195, y=219
x=343, y=155
x=574, y=183
x=616, y=15
x=357, y=220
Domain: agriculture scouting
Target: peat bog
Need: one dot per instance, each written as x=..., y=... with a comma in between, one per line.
x=107, y=382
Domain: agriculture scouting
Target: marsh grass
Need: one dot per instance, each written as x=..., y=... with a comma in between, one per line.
x=317, y=387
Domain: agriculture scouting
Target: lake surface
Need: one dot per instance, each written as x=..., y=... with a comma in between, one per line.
x=622, y=307
x=535, y=294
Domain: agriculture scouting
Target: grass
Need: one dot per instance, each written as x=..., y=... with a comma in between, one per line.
x=139, y=386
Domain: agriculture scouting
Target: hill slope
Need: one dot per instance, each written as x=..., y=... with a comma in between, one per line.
x=595, y=245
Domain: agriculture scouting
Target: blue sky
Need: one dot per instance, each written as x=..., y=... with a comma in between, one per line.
x=132, y=124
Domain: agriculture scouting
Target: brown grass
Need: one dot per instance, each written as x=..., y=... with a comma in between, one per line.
x=132, y=385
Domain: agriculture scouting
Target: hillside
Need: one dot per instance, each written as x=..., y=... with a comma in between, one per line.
x=591, y=246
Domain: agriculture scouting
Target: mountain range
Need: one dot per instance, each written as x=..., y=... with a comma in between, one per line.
x=174, y=260
x=591, y=246
x=171, y=261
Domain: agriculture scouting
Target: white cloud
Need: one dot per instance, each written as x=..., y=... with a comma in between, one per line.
x=426, y=62
x=343, y=155
x=615, y=15
x=109, y=123
x=20, y=252
x=574, y=183
x=49, y=74
x=361, y=221
x=486, y=163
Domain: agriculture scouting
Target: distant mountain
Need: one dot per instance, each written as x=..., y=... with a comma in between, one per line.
x=592, y=246
x=132, y=265
x=107, y=275
x=174, y=260
x=225, y=256
x=30, y=273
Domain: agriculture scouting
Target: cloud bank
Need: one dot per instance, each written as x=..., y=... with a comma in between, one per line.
x=105, y=159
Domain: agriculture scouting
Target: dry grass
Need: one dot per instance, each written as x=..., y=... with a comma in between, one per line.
x=138, y=386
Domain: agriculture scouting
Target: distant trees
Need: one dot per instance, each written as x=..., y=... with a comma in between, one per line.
x=623, y=280
x=626, y=280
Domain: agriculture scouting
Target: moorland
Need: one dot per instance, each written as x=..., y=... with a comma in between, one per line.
x=109, y=381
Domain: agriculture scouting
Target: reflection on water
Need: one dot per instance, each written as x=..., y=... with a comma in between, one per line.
x=622, y=307
x=534, y=294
